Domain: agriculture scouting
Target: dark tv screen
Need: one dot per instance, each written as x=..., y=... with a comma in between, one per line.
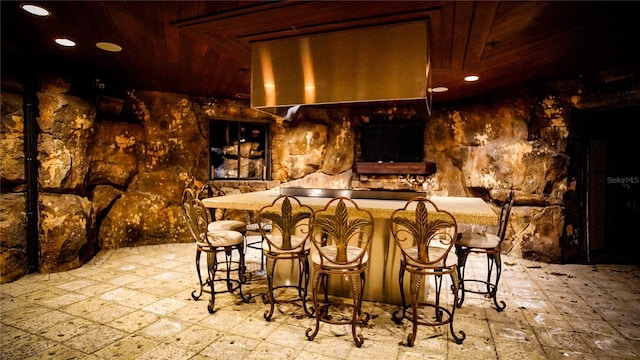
x=397, y=142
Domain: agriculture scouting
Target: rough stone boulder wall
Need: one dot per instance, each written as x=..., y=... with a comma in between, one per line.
x=13, y=239
x=172, y=136
x=103, y=196
x=531, y=167
x=536, y=232
x=142, y=219
x=114, y=152
x=167, y=144
x=65, y=123
x=301, y=151
x=11, y=139
x=167, y=183
x=538, y=174
x=66, y=222
x=340, y=150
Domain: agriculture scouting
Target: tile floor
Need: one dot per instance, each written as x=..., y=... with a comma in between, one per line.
x=135, y=303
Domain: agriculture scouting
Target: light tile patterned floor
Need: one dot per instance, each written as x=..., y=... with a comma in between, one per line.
x=135, y=303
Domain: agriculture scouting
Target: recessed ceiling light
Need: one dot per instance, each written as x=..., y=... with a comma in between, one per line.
x=471, y=78
x=36, y=10
x=439, y=89
x=107, y=46
x=65, y=42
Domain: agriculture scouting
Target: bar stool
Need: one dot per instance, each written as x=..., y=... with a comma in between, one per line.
x=341, y=233
x=220, y=222
x=213, y=243
x=489, y=244
x=284, y=225
x=425, y=236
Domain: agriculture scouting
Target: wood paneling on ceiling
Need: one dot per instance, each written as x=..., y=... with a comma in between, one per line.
x=203, y=48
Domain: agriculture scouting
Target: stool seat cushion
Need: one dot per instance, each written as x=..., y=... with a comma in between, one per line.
x=235, y=225
x=434, y=253
x=477, y=240
x=331, y=252
x=222, y=238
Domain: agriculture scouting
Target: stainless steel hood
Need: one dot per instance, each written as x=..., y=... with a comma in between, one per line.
x=388, y=63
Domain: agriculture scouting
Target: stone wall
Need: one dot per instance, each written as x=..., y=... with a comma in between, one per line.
x=108, y=182
x=13, y=217
x=103, y=182
x=480, y=150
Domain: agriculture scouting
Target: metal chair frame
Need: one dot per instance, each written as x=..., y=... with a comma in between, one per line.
x=425, y=235
x=493, y=259
x=198, y=219
x=284, y=226
x=210, y=190
x=341, y=233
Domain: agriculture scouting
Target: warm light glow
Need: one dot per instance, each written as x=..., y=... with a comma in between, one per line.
x=439, y=89
x=65, y=42
x=36, y=10
x=107, y=46
x=471, y=78
x=268, y=79
x=307, y=70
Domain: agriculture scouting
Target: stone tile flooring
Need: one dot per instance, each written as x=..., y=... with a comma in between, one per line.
x=135, y=303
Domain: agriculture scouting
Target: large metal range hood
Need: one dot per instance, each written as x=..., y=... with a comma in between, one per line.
x=380, y=64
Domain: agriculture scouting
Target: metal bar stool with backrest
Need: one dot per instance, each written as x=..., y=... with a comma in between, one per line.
x=220, y=222
x=213, y=243
x=284, y=225
x=425, y=235
x=341, y=233
x=489, y=244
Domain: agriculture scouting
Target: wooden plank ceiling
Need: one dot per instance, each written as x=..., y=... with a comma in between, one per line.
x=203, y=48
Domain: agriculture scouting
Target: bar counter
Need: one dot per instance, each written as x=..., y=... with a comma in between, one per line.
x=469, y=210
x=382, y=275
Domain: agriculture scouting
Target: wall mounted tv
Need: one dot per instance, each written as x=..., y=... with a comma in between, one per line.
x=392, y=142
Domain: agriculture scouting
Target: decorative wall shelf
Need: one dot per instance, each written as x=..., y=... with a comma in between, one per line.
x=399, y=168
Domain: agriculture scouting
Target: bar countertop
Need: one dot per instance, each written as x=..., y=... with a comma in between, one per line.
x=471, y=210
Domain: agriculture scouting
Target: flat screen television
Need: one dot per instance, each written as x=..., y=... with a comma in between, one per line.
x=392, y=142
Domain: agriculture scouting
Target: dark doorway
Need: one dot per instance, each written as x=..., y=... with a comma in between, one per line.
x=614, y=185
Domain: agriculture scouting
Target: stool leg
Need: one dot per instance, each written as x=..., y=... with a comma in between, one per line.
x=399, y=315
x=262, y=260
x=456, y=285
x=227, y=258
x=357, y=287
x=311, y=333
x=438, y=288
x=212, y=267
x=415, y=283
x=304, y=264
x=193, y=294
x=494, y=291
x=271, y=264
x=462, y=254
x=241, y=270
